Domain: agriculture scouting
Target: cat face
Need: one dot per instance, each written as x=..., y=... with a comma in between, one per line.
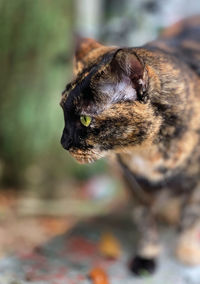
x=106, y=107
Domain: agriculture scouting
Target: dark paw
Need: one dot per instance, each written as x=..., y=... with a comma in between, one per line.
x=142, y=266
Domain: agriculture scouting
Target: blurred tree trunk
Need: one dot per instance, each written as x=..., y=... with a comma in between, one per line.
x=89, y=15
x=35, y=38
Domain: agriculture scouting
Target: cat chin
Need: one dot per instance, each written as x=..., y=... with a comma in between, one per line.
x=84, y=159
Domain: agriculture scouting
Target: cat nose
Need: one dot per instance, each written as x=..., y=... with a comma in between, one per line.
x=66, y=141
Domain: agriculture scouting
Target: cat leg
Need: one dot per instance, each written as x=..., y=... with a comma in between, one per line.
x=148, y=247
x=188, y=243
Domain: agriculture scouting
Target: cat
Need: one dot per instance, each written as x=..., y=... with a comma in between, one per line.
x=141, y=106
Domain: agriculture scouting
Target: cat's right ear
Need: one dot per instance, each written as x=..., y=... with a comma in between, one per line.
x=83, y=46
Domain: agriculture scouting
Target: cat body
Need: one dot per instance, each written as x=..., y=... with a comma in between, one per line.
x=143, y=109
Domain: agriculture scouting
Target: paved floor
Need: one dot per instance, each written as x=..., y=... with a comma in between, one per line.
x=68, y=258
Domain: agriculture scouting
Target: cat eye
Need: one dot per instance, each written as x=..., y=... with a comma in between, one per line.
x=85, y=120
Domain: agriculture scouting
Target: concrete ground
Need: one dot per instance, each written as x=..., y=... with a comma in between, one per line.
x=68, y=258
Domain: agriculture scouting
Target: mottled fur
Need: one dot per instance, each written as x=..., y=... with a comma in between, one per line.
x=145, y=109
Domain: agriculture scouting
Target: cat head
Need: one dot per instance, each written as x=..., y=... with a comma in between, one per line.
x=106, y=107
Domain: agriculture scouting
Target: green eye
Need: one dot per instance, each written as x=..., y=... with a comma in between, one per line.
x=85, y=120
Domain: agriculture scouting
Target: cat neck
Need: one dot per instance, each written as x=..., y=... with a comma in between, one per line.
x=155, y=162
x=144, y=162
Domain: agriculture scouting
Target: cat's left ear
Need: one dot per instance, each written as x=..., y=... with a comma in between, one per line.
x=83, y=46
x=130, y=71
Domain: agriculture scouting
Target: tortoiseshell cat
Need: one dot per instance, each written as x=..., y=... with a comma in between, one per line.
x=142, y=105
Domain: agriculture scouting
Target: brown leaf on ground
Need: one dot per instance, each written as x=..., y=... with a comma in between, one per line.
x=109, y=246
x=56, y=226
x=98, y=276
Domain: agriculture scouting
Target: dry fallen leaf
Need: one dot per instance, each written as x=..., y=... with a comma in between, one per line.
x=98, y=276
x=56, y=226
x=109, y=246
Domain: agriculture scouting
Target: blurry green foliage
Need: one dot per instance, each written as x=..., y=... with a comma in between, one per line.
x=35, y=56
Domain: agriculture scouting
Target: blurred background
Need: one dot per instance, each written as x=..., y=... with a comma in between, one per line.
x=37, y=176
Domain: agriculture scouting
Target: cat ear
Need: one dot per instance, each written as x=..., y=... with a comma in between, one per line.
x=131, y=75
x=83, y=46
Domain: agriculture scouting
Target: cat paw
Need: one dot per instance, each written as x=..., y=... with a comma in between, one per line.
x=188, y=247
x=141, y=266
